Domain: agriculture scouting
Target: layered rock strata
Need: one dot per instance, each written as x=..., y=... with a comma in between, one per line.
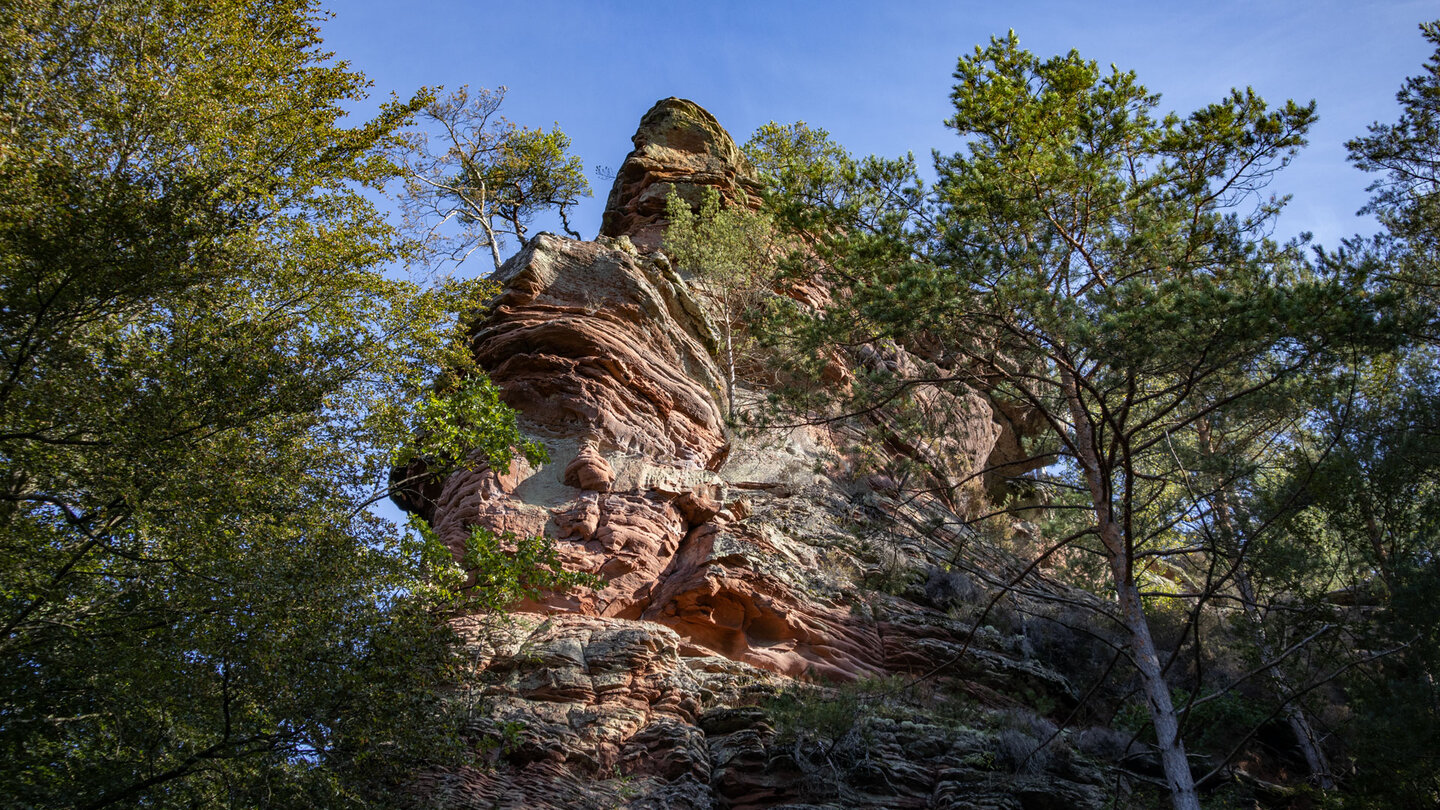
x=735, y=566
x=679, y=146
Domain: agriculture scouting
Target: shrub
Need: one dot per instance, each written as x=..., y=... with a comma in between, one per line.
x=1027, y=742
x=947, y=588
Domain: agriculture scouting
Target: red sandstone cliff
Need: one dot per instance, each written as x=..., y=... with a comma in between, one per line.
x=735, y=565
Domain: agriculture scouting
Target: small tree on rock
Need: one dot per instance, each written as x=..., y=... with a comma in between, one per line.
x=730, y=249
x=478, y=178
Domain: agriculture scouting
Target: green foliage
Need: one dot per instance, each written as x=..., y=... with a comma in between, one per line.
x=206, y=375
x=1372, y=531
x=732, y=250
x=1102, y=265
x=830, y=715
x=1406, y=155
x=505, y=740
x=470, y=418
x=803, y=171
x=1374, y=494
x=478, y=178
x=534, y=172
x=729, y=246
x=1216, y=721
x=493, y=571
x=816, y=191
x=1394, y=737
x=823, y=716
x=1371, y=523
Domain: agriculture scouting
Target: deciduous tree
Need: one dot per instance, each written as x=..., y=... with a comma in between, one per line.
x=204, y=377
x=472, y=177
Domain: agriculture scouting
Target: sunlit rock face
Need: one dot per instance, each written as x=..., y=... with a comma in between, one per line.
x=731, y=540
x=733, y=563
x=678, y=146
x=590, y=342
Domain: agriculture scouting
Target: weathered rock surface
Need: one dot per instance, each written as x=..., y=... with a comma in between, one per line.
x=581, y=712
x=735, y=565
x=678, y=146
x=588, y=341
x=589, y=470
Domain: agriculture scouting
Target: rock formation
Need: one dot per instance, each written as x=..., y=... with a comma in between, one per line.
x=678, y=146
x=743, y=572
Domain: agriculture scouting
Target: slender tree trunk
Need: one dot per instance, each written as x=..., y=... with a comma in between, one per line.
x=481, y=211
x=1173, y=760
x=565, y=223
x=490, y=237
x=1377, y=542
x=1305, y=737
x=729, y=369
x=1157, y=693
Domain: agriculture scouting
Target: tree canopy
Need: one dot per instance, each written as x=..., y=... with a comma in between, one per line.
x=730, y=250
x=478, y=178
x=206, y=378
x=1106, y=266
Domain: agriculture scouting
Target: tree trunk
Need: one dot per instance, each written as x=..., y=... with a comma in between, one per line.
x=1305, y=737
x=565, y=223
x=1377, y=542
x=481, y=213
x=490, y=237
x=729, y=370
x=1157, y=693
x=1142, y=645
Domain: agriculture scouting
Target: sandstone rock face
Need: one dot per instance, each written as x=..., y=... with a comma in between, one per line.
x=580, y=712
x=587, y=341
x=679, y=146
x=737, y=566
x=589, y=470
x=579, y=708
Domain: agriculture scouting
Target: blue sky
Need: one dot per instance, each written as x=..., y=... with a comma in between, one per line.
x=877, y=75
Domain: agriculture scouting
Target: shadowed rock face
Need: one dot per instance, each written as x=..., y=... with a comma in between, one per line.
x=679, y=146
x=731, y=562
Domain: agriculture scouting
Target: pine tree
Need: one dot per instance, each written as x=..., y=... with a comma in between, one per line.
x=730, y=251
x=1103, y=266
